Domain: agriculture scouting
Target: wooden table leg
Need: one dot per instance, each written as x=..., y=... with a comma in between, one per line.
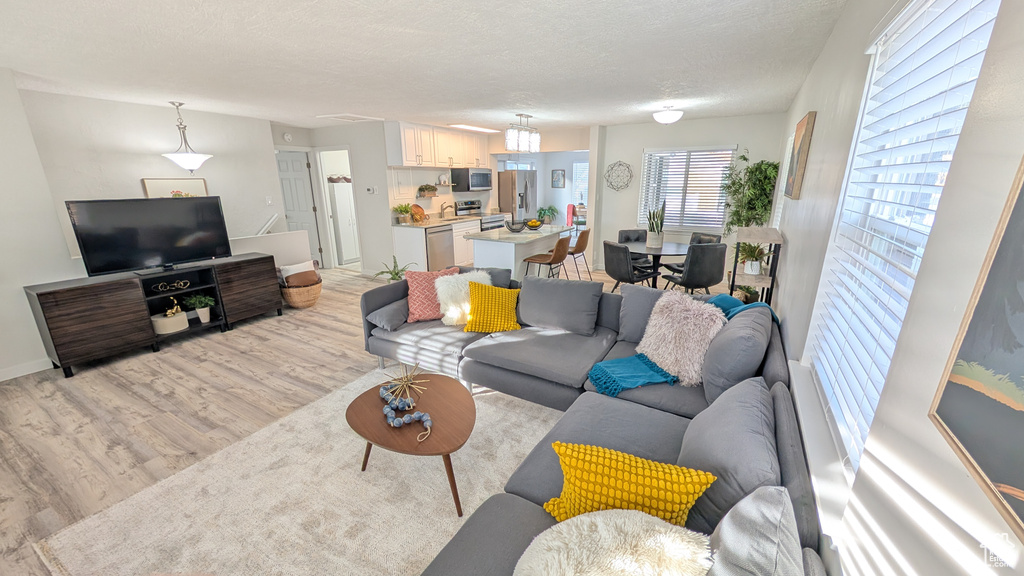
x=451, y=481
x=366, y=456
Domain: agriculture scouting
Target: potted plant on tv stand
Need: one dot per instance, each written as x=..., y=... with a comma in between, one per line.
x=200, y=303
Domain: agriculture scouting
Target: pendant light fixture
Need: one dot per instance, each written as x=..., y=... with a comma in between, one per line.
x=668, y=115
x=520, y=137
x=185, y=156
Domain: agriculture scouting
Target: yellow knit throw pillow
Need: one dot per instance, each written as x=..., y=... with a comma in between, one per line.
x=491, y=309
x=601, y=479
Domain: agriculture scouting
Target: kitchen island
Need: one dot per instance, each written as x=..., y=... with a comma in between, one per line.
x=502, y=248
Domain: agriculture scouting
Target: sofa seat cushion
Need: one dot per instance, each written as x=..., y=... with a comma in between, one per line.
x=432, y=335
x=687, y=401
x=598, y=420
x=555, y=355
x=492, y=539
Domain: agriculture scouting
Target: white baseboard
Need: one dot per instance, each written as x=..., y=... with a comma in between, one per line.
x=10, y=372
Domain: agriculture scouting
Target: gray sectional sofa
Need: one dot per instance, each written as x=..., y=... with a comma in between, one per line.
x=740, y=425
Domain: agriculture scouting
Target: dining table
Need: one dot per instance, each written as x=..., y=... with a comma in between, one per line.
x=655, y=253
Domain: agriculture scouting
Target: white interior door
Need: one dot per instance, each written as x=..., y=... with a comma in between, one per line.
x=345, y=223
x=299, y=205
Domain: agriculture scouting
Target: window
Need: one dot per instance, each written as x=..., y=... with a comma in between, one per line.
x=580, y=182
x=920, y=85
x=512, y=165
x=690, y=184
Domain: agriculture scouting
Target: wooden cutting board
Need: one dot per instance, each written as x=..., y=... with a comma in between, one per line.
x=418, y=215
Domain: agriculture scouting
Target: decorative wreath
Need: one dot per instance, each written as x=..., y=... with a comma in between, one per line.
x=618, y=175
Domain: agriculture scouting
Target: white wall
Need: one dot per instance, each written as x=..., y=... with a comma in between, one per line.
x=34, y=249
x=760, y=134
x=913, y=507
x=301, y=137
x=100, y=149
x=365, y=144
x=558, y=197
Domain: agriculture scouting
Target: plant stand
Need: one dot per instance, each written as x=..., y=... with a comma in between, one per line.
x=765, y=282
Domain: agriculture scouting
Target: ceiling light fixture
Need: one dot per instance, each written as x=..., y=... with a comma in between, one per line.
x=185, y=156
x=521, y=137
x=668, y=115
x=474, y=128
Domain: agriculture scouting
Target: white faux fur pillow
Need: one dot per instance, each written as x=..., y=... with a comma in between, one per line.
x=453, y=294
x=613, y=543
x=679, y=333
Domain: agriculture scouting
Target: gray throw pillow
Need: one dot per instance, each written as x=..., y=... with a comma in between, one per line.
x=758, y=536
x=637, y=304
x=500, y=277
x=562, y=304
x=734, y=439
x=736, y=352
x=392, y=316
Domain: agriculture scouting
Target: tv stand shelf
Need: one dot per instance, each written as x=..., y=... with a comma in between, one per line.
x=87, y=319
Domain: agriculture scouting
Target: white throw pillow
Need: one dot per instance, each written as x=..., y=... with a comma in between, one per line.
x=678, y=335
x=613, y=543
x=453, y=294
x=286, y=271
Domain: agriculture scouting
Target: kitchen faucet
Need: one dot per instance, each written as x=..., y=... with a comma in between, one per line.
x=444, y=207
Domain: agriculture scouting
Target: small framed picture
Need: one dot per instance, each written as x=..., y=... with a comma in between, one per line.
x=558, y=178
x=172, y=187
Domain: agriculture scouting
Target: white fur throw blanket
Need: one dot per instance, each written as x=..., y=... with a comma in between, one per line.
x=678, y=335
x=616, y=542
x=453, y=294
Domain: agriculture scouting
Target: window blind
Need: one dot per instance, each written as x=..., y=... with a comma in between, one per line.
x=580, y=182
x=690, y=184
x=919, y=88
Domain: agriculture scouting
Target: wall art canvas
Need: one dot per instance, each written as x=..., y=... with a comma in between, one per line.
x=979, y=407
x=169, y=187
x=798, y=156
x=558, y=178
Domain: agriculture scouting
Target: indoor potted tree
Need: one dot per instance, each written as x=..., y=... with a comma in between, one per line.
x=656, y=227
x=404, y=212
x=749, y=190
x=200, y=303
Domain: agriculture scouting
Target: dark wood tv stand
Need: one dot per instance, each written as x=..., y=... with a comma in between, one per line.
x=87, y=319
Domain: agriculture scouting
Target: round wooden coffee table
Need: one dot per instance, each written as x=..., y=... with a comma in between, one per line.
x=451, y=409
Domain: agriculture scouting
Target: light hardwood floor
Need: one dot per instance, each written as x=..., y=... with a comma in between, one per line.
x=72, y=447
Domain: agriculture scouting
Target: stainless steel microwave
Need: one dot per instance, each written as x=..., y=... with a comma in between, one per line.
x=471, y=179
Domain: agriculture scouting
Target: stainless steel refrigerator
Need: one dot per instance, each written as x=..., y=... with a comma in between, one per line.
x=517, y=193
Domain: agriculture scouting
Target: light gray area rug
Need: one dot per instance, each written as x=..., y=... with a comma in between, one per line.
x=290, y=499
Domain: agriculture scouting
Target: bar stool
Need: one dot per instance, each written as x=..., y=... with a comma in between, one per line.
x=580, y=250
x=551, y=259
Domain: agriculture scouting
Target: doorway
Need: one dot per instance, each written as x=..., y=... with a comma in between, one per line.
x=300, y=210
x=337, y=173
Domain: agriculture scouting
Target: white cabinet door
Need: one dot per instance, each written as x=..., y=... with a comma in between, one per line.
x=478, y=151
x=463, y=245
x=447, y=148
x=425, y=145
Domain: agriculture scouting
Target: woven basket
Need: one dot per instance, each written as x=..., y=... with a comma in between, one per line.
x=302, y=296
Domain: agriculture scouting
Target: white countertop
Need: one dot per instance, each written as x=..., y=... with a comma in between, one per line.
x=433, y=222
x=504, y=235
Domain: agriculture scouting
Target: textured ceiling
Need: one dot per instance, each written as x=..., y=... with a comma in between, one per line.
x=568, y=62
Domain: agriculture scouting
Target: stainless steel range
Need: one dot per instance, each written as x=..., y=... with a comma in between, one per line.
x=475, y=208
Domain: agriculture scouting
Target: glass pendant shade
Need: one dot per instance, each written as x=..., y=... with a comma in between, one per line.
x=522, y=138
x=188, y=160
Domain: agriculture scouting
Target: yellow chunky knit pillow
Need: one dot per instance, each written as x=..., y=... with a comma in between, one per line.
x=602, y=479
x=491, y=309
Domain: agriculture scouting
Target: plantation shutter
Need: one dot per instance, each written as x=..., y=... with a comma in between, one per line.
x=690, y=184
x=920, y=86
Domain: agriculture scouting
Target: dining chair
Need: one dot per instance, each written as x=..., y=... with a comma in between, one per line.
x=619, y=265
x=704, y=268
x=695, y=238
x=636, y=235
x=550, y=259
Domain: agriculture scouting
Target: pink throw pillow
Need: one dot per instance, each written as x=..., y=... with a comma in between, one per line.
x=423, y=302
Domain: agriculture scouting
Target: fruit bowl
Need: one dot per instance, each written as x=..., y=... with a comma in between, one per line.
x=534, y=224
x=515, y=227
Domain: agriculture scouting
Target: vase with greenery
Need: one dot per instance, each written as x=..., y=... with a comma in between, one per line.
x=753, y=257
x=201, y=304
x=656, y=227
x=547, y=215
x=395, y=272
x=426, y=191
x=404, y=212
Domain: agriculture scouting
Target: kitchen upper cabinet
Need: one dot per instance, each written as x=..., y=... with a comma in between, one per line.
x=479, y=152
x=409, y=144
x=450, y=146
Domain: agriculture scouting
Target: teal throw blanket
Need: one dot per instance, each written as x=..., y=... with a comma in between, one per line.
x=613, y=376
x=733, y=306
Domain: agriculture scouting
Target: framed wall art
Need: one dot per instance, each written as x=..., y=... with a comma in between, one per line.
x=558, y=178
x=979, y=406
x=798, y=156
x=169, y=187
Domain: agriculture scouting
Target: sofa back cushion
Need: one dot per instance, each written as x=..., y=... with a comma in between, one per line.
x=737, y=351
x=678, y=335
x=637, y=304
x=500, y=277
x=568, y=305
x=734, y=439
x=608, y=310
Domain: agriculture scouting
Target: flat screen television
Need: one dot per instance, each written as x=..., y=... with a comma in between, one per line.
x=126, y=235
